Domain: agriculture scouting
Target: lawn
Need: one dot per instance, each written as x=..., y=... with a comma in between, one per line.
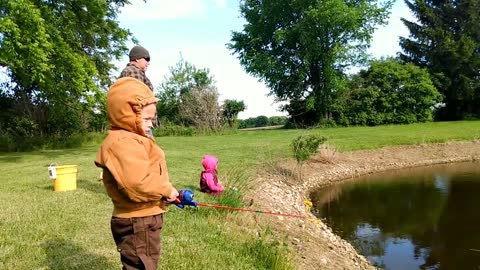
x=43, y=229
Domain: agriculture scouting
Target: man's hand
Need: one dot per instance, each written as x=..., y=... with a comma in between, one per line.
x=173, y=195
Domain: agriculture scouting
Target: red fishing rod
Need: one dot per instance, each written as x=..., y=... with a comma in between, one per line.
x=250, y=210
x=185, y=197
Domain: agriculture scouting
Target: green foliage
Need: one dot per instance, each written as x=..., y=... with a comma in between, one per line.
x=389, y=92
x=445, y=39
x=304, y=146
x=171, y=129
x=183, y=77
x=188, y=97
x=9, y=142
x=200, y=108
x=262, y=121
x=231, y=109
x=57, y=57
x=300, y=48
x=277, y=120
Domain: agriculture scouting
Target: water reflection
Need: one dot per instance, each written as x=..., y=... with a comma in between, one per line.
x=424, y=218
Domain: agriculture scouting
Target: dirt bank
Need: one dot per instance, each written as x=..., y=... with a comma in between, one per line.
x=316, y=247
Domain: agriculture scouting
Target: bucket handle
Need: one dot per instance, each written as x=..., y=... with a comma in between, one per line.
x=52, y=171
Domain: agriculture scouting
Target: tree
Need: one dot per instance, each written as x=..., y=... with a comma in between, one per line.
x=390, y=92
x=199, y=108
x=231, y=108
x=247, y=123
x=183, y=77
x=277, y=120
x=57, y=57
x=261, y=121
x=300, y=48
x=446, y=40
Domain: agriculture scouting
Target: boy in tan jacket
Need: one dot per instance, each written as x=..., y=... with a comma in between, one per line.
x=134, y=174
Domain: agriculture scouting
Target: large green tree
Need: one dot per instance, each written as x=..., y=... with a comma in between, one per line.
x=445, y=38
x=56, y=56
x=300, y=48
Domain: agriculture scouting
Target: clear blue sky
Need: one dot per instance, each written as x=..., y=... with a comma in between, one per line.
x=199, y=29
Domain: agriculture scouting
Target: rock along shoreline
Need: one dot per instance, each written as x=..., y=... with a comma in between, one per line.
x=315, y=245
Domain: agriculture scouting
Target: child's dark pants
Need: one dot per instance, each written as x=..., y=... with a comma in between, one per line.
x=138, y=241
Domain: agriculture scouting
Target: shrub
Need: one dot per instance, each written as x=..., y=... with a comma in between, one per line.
x=304, y=146
x=6, y=143
x=170, y=129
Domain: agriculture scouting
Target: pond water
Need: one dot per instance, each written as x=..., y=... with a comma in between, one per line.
x=421, y=218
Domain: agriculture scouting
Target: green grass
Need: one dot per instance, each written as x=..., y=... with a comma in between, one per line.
x=42, y=229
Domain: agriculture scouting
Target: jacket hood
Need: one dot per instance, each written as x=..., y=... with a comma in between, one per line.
x=125, y=101
x=209, y=163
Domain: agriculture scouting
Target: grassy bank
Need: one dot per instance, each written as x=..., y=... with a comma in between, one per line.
x=42, y=229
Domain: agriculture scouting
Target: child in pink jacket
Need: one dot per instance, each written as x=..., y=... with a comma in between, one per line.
x=208, y=179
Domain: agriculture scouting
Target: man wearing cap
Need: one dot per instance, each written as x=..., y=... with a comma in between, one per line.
x=139, y=61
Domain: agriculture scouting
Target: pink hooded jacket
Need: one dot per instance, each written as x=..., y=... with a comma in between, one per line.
x=208, y=179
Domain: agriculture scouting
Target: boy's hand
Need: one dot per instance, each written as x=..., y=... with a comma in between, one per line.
x=173, y=195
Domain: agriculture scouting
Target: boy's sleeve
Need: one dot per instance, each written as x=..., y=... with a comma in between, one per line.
x=129, y=163
x=211, y=183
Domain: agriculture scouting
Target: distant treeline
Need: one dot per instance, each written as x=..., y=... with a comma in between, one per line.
x=262, y=121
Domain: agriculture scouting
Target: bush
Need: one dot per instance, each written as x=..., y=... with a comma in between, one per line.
x=9, y=143
x=389, y=92
x=6, y=143
x=304, y=146
x=170, y=129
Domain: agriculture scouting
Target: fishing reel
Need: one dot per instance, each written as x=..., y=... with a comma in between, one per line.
x=185, y=197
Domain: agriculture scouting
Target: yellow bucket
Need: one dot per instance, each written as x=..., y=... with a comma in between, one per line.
x=65, y=177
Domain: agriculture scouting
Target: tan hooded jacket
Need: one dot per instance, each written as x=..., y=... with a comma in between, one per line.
x=134, y=168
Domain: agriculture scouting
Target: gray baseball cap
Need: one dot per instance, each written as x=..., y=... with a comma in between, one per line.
x=138, y=52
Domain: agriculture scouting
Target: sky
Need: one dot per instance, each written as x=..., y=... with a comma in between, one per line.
x=198, y=31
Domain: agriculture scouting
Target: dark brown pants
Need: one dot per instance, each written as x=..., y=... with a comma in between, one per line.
x=138, y=241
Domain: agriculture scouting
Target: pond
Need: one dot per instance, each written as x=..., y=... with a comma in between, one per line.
x=420, y=218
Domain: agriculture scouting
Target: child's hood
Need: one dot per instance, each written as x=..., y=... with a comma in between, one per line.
x=209, y=163
x=125, y=101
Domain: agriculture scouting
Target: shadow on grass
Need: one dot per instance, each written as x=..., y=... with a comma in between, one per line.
x=193, y=188
x=91, y=186
x=46, y=154
x=9, y=158
x=64, y=254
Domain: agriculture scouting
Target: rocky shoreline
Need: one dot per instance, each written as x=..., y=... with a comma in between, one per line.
x=315, y=245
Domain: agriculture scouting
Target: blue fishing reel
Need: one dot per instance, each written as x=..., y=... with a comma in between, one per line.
x=185, y=197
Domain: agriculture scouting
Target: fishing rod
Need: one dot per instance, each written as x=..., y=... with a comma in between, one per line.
x=185, y=197
x=250, y=210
